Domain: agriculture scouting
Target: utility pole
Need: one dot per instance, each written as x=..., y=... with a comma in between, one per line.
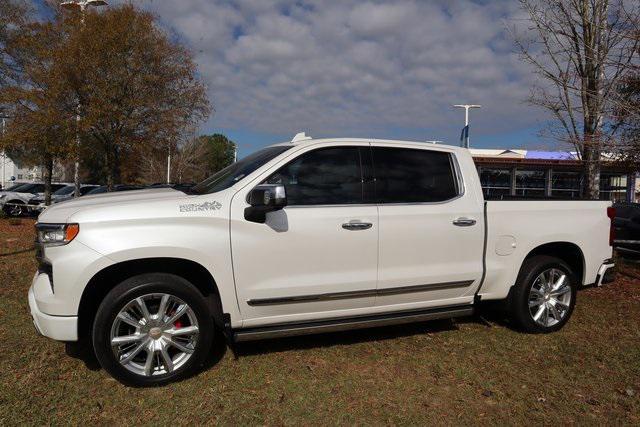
x=4, y=156
x=464, y=138
x=169, y=167
x=82, y=6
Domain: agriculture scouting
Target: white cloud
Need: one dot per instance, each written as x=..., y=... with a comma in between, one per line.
x=353, y=67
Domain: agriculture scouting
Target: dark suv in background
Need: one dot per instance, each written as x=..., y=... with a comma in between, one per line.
x=627, y=229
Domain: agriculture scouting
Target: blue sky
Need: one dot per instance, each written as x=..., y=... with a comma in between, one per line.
x=384, y=69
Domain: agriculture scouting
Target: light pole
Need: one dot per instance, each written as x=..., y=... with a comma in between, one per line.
x=82, y=6
x=4, y=156
x=464, y=138
x=169, y=166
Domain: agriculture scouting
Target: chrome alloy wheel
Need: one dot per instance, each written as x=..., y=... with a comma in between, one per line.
x=154, y=344
x=550, y=297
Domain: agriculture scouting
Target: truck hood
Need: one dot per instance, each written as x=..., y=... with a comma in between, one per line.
x=60, y=212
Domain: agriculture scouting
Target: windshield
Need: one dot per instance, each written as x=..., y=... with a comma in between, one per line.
x=65, y=190
x=17, y=187
x=27, y=188
x=235, y=172
x=98, y=190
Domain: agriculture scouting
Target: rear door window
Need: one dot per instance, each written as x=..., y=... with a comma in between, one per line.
x=405, y=175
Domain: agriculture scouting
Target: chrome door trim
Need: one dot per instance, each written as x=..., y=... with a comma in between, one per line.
x=358, y=294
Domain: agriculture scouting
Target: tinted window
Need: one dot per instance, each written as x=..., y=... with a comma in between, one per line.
x=236, y=171
x=328, y=176
x=98, y=190
x=85, y=190
x=37, y=188
x=69, y=189
x=413, y=176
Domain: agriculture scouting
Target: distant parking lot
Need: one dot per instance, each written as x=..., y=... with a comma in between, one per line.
x=466, y=371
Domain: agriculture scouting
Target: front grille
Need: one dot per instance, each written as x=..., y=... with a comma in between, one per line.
x=33, y=202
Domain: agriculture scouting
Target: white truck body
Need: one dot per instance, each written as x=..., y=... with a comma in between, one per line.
x=302, y=264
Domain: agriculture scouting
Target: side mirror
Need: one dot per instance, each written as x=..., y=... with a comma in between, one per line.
x=263, y=199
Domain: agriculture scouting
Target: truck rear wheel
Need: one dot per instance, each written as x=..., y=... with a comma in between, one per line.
x=152, y=329
x=543, y=298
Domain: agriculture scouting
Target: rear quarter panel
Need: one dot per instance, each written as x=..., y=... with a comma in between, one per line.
x=515, y=228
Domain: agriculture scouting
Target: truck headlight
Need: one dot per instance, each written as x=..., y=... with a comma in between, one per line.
x=56, y=234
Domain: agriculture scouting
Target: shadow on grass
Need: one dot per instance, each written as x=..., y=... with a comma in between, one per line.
x=21, y=251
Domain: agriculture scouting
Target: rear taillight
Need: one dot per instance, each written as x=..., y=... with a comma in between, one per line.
x=611, y=213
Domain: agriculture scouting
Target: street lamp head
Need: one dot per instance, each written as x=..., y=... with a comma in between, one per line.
x=96, y=3
x=467, y=105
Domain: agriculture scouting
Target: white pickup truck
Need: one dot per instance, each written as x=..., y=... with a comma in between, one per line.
x=305, y=237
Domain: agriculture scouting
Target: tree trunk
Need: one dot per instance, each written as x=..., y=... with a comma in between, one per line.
x=108, y=169
x=48, y=173
x=591, y=167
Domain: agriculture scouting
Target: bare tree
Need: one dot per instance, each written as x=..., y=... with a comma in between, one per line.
x=581, y=51
x=189, y=163
x=628, y=108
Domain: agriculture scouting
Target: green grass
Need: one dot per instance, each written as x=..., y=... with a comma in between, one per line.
x=445, y=372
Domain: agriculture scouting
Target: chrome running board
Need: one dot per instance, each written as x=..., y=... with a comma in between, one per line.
x=345, y=324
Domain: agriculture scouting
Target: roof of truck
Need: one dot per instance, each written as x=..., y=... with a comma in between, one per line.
x=302, y=139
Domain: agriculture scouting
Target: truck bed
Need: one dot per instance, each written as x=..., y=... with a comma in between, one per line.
x=514, y=227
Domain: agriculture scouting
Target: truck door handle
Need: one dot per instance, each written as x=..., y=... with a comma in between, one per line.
x=356, y=225
x=464, y=222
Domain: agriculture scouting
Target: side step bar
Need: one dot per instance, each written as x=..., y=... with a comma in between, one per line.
x=345, y=324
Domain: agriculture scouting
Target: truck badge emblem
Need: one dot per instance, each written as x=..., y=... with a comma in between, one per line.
x=196, y=207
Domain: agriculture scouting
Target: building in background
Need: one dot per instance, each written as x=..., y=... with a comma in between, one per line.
x=13, y=173
x=548, y=173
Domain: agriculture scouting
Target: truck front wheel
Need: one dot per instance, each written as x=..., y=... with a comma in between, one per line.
x=152, y=329
x=543, y=298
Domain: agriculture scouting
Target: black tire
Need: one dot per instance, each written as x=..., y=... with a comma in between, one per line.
x=143, y=285
x=519, y=297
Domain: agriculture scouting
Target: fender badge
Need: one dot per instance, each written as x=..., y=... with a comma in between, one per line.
x=197, y=207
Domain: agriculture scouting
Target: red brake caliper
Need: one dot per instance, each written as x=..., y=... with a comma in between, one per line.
x=177, y=323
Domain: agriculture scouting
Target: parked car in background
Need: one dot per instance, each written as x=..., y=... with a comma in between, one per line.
x=184, y=187
x=306, y=237
x=627, y=229
x=14, y=203
x=36, y=204
x=119, y=187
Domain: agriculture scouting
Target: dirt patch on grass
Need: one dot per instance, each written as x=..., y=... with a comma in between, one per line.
x=445, y=372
